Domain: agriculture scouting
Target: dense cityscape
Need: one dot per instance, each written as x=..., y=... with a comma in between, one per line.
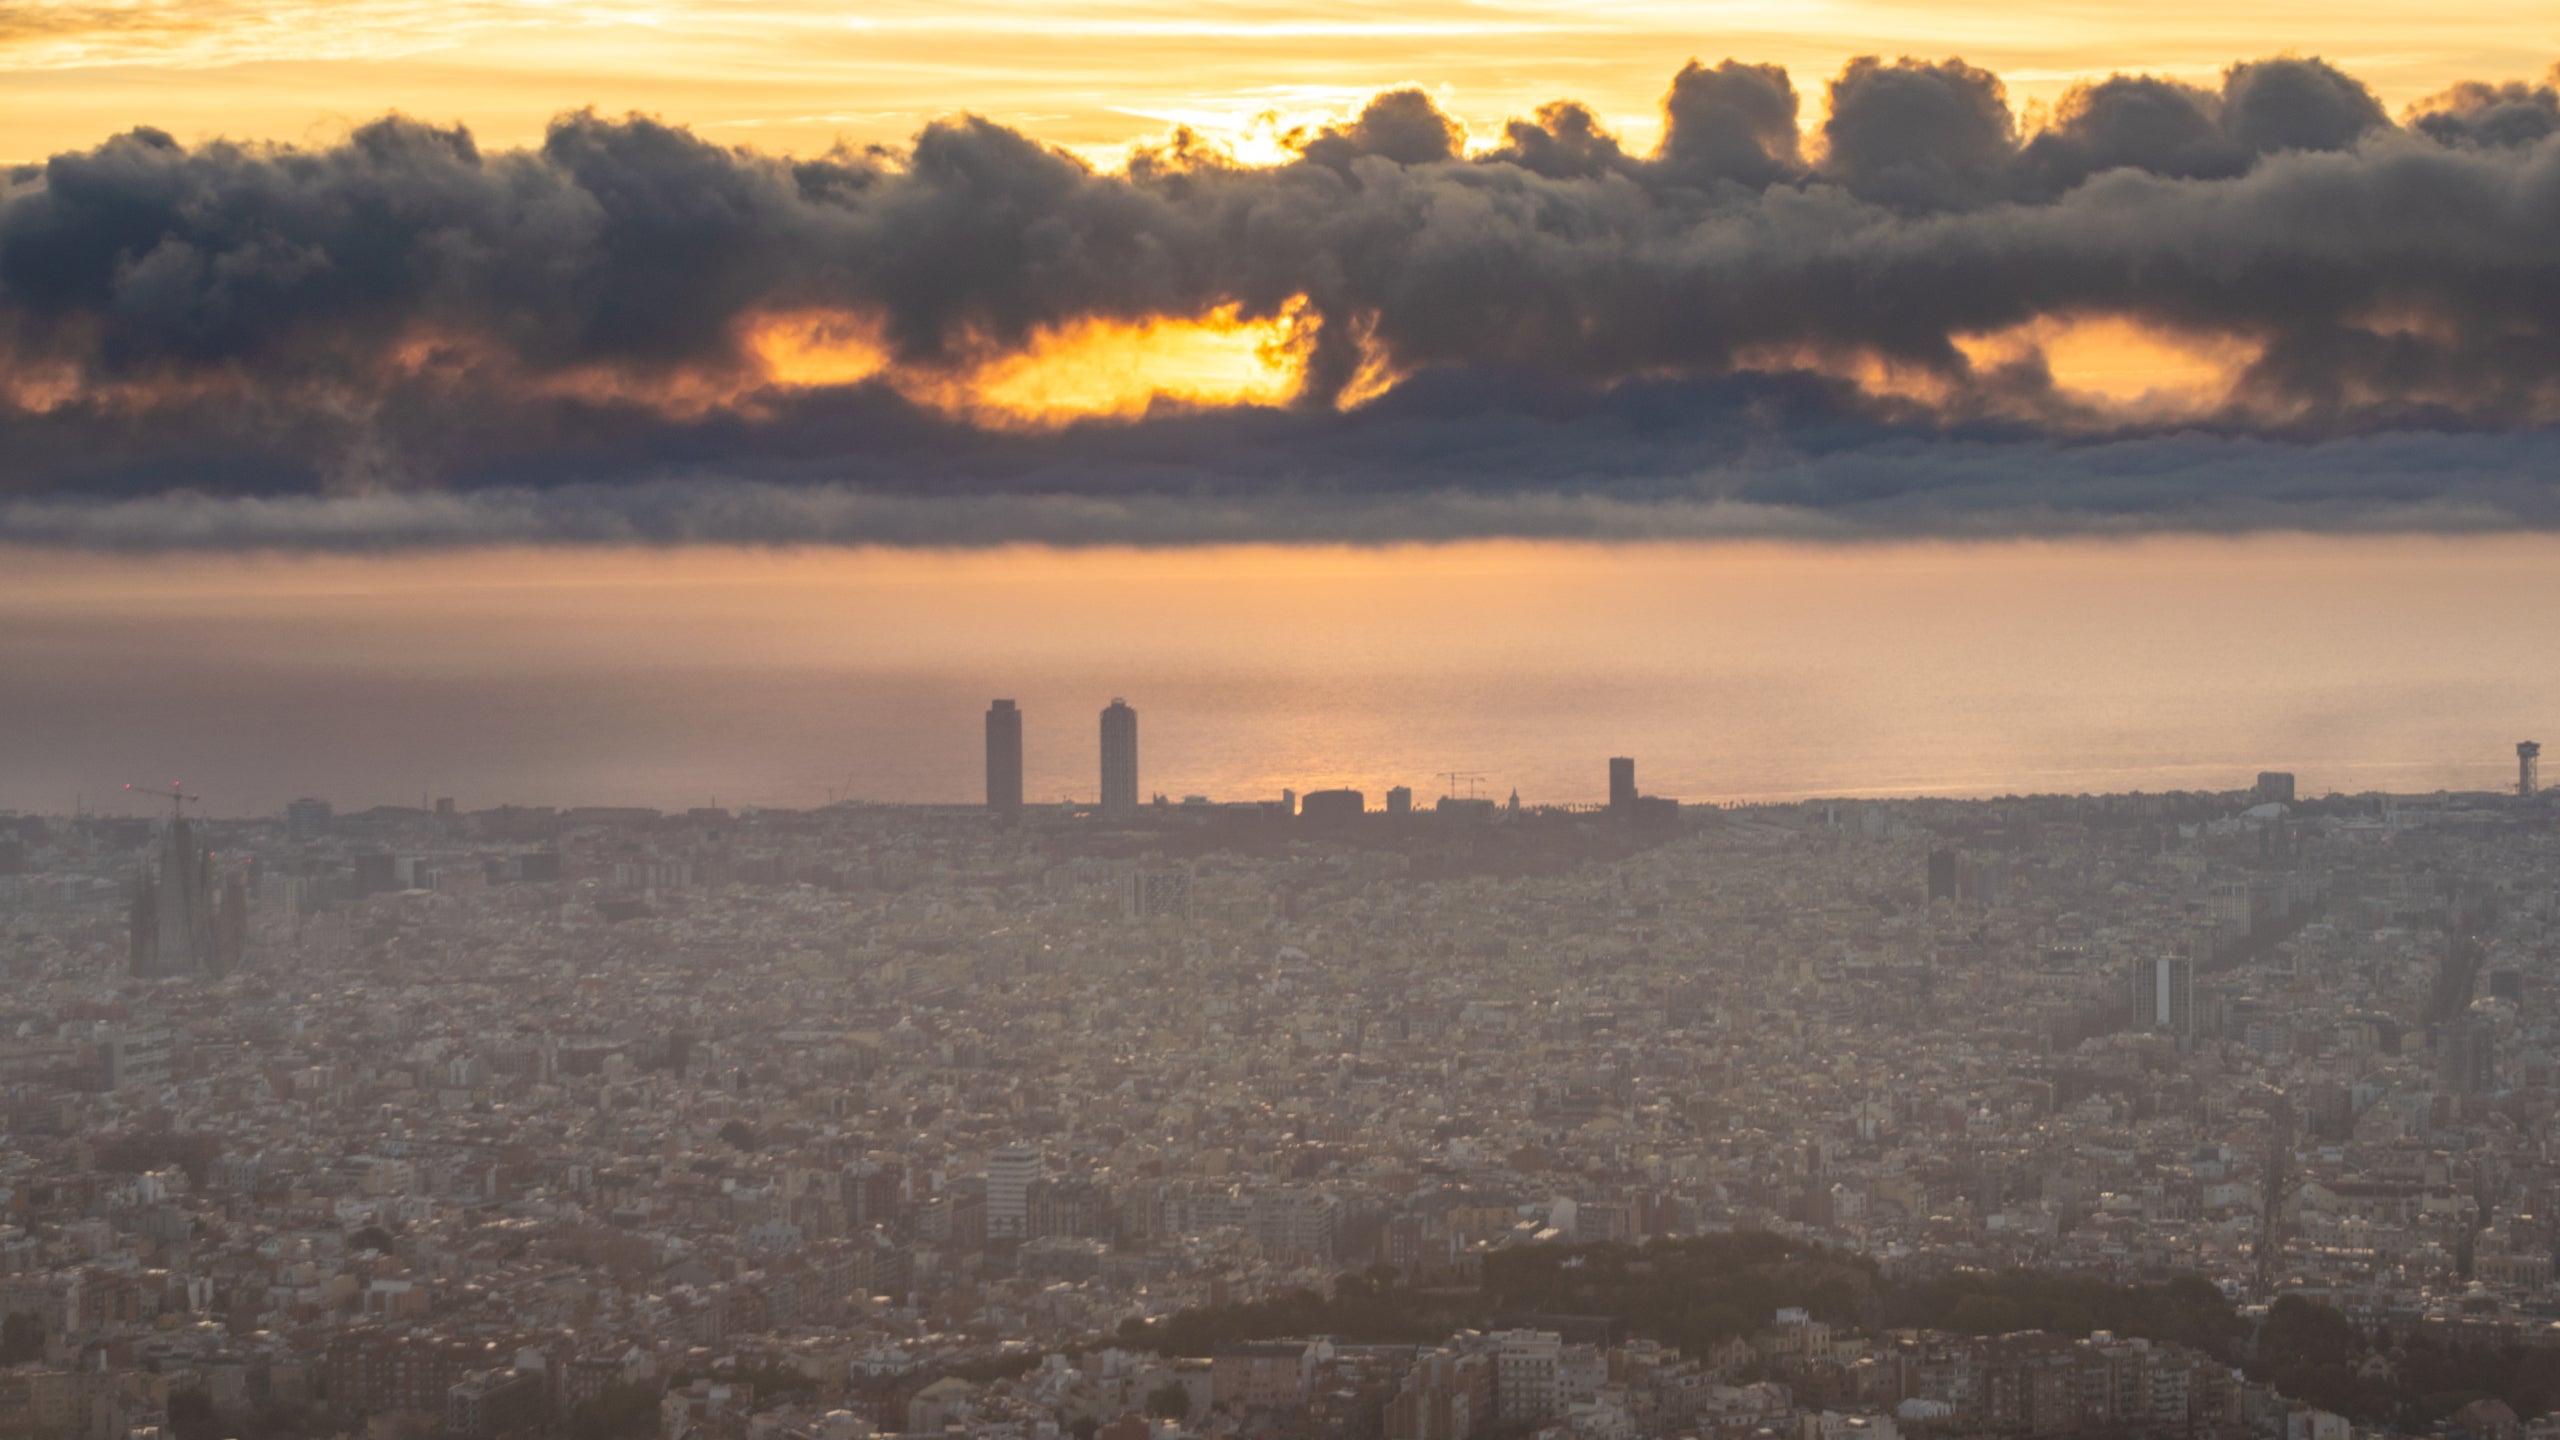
x=2195, y=1114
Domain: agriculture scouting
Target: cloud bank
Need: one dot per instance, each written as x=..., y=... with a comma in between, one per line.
x=403, y=340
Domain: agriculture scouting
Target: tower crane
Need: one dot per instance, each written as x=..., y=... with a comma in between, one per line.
x=1470, y=777
x=176, y=795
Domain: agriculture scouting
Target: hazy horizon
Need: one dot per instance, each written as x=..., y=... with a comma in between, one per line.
x=1730, y=671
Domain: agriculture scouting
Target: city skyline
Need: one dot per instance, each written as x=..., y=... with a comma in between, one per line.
x=1307, y=1130
x=1005, y=725
x=1510, y=720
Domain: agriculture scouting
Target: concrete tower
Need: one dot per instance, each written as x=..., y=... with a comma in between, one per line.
x=2528, y=768
x=1004, y=758
x=1622, y=784
x=1119, y=760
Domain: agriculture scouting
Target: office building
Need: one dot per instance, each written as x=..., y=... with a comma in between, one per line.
x=1447, y=1395
x=307, y=818
x=136, y=1058
x=1942, y=874
x=1528, y=1381
x=488, y=1404
x=1011, y=1172
x=1119, y=760
x=2164, y=996
x=1294, y=1222
x=1333, y=807
x=2528, y=768
x=1004, y=758
x=1400, y=800
x=1156, y=895
x=2463, y=1063
x=2276, y=786
x=377, y=872
x=1622, y=785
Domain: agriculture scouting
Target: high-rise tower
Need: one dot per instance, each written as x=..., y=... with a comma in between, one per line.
x=1119, y=760
x=2164, y=996
x=1622, y=784
x=2528, y=768
x=1004, y=758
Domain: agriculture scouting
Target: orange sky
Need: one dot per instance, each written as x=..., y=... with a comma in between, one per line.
x=1099, y=75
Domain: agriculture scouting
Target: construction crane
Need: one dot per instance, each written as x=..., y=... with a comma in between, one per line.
x=177, y=797
x=1455, y=776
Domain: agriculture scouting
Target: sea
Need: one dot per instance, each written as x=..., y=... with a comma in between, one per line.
x=1731, y=673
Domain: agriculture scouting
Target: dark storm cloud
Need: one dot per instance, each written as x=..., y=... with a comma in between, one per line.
x=1735, y=123
x=1935, y=486
x=1920, y=136
x=2503, y=116
x=2141, y=122
x=1400, y=125
x=1564, y=142
x=1582, y=326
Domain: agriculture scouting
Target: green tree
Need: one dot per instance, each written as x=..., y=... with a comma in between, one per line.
x=1170, y=1401
x=622, y=1412
x=2309, y=1352
x=21, y=1339
x=191, y=1416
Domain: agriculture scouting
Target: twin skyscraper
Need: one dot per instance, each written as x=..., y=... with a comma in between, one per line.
x=1119, y=759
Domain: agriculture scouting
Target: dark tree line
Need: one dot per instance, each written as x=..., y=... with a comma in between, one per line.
x=1698, y=1291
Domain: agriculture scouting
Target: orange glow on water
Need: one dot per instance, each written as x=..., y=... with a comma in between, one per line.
x=1732, y=670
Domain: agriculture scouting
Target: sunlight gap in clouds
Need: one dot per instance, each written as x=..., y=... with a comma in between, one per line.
x=2114, y=369
x=1090, y=369
x=2122, y=368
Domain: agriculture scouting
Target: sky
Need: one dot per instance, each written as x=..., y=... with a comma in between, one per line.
x=1098, y=77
